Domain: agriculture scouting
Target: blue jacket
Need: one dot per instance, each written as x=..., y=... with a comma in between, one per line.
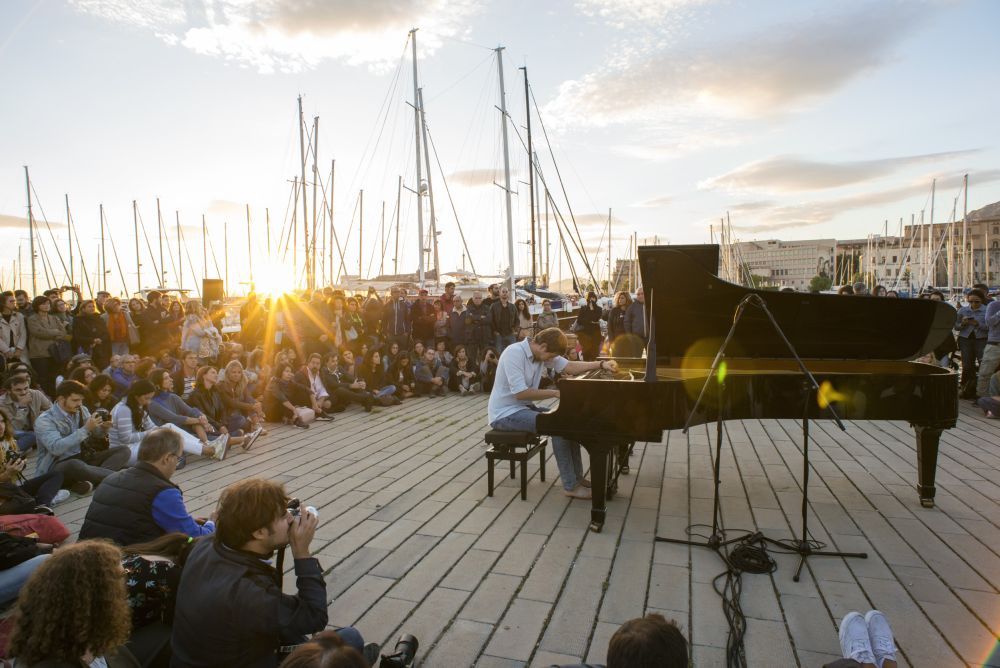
x=59, y=436
x=171, y=515
x=122, y=381
x=981, y=331
x=993, y=320
x=396, y=318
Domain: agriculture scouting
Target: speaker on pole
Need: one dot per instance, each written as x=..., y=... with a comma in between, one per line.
x=211, y=291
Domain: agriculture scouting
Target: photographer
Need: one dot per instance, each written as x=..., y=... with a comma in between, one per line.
x=24, y=405
x=230, y=608
x=73, y=441
x=18, y=495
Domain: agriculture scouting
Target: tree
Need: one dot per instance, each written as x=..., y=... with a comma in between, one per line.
x=762, y=282
x=820, y=282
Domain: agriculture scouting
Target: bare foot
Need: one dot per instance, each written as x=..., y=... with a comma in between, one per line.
x=578, y=492
x=584, y=482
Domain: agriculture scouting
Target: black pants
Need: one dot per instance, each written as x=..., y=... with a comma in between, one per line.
x=44, y=487
x=344, y=396
x=47, y=370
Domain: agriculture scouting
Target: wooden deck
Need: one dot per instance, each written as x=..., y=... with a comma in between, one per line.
x=412, y=543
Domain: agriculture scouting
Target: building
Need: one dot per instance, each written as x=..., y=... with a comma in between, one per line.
x=784, y=264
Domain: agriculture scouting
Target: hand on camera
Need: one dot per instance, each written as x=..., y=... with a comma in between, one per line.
x=301, y=532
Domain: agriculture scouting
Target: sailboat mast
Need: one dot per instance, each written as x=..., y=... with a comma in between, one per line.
x=312, y=257
x=159, y=235
x=138, y=263
x=416, y=145
x=430, y=187
x=361, y=229
x=611, y=287
x=333, y=230
x=305, y=213
x=965, y=232
x=395, y=250
x=267, y=231
x=204, y=249
x=931, y=240
x=69, y=238
x=104, y=256
x=381, y=231
x=225, y=254
x=180, y=255
x=31, y=234
x=506, y=172
x=547, y=244
x=249, y=246
x=531, y=176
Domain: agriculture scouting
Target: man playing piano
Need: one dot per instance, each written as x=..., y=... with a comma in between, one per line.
x=511, y=406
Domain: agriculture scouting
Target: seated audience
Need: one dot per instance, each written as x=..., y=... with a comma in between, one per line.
x=19, y=495
x=278, y=400
x=309, y=376
x=100, y=393
x=19, y=558
x=488, y=368
x=130, y=421
x=24, y=405
x=377, y=381
x=140, y=503
x=230, y=608
x=168, y=408
x=73, y=609
x=74, y=442
x=83, y=375
x=866, y=641
x=207, y=399
x=431, y=376
x=443, y=354
x=389, y=358
x=326, y=650
x=401, y=375
x=185, y=377
x=463, y=376
x=343, y=387
x=125, y=375
x=244, y=412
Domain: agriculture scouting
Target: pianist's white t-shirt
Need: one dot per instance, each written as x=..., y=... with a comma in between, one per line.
x=517, y=370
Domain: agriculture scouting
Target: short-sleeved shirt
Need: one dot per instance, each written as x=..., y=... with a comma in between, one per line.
x=517, y=370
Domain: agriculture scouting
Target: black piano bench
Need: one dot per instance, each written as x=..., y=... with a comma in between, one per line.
x=515, y=446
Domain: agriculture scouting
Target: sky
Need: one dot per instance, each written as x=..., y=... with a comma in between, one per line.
x=804, y=119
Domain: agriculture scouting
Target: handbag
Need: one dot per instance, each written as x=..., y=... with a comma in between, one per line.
x=306, y=415
x=14, y=500
x=351, y=334
x=91, y=446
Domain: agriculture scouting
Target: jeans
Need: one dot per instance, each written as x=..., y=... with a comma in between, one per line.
x=989, y=404
x=44, y=487
x=567, y=452
x=113, y=459
x=12, y=579
x=987, y=367
x=237, y=423
x=972, y=352
x=25, y=440
x=386, y=391
x=504, y=340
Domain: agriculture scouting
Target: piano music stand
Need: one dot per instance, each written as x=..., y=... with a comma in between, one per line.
x=803, y=546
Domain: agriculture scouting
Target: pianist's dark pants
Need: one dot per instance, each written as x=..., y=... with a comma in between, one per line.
x=567, y=452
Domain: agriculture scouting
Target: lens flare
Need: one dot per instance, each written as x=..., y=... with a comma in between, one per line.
x=828, y=395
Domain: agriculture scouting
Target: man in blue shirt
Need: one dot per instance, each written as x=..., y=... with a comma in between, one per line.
x=515, y=390
x=138, y=504
x=991, y=355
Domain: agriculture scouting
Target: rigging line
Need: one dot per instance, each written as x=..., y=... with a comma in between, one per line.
x=114, y=251
x=462, y=41
x=458, y=223
x=83, y=262
x=562, y=239
x=333, y=228
x=190, y=263
x=170, y=253
x=562, y=185
x=51, y=279
x=149, y=247
x=55, y=244
x=465, y=76
x=215, y=260
x=294, y=202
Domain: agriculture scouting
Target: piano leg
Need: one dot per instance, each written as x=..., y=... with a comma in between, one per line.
x=599, y=486
x=927, y=452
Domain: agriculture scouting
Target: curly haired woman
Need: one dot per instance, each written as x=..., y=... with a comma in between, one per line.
x=73, y=609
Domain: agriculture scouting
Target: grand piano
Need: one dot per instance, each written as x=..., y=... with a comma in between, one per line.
x=857, y=348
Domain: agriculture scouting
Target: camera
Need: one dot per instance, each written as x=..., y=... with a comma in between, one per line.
x=13, y=456
x=404, y=653
x=295, y=507
x=102, y=414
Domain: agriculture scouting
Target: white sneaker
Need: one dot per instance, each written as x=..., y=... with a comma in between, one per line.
x=60, y=496
x=854, y=641
x=251, y=437
x=476, y=387
x=220, y=444
x=880, y=637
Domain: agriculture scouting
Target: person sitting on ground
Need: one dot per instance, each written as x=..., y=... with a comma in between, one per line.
x=377, y=381
x=343, y=388
x=488, y=369
x=443, y=354
x=140, y=503
x=278, y=400
x=125, y=375
x=230, y=608
x=83, y=375
x=187, y=375
x=401, y=375
x=73, y=442
x=74, y=608
x=463, y=375
x=309, y=376
x=130, y=420
x=168, y=361
x=431, y=376
x=19, y=558
x=19, y=495
x=100, y=393
x=325, y=650
x=512, y=408
x=168, y=408
x=244, y=412
x=648, y=642
x=866, y=641
x=390, y=355
x=418, y=351
x=24, y=405
x=207, y=399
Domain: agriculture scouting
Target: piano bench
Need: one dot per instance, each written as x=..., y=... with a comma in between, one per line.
x=515, y=446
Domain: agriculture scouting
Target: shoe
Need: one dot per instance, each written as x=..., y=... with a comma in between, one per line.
x=578, y=492
x=585, y=483
x=181, y=462
x=369, y=402
x=220, y=445
x=396, y=400
x=854, y=641
x=60, y=496
x=371, y=653
x=300, y=424
x=476, y=388
x=324, y=416
x=82, y=487
x=462, y=391
x=43, y=510
x=880, y=637
x=251, y=437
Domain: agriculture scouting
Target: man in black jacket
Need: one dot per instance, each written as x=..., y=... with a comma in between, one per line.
x=230, y=608
x=503, y=318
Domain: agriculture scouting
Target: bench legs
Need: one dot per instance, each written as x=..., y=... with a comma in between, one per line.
x=514, y=456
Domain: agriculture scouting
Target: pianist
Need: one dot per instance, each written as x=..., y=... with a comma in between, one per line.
x=515, y=390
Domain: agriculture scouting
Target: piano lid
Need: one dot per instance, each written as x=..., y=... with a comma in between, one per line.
x=694, y=310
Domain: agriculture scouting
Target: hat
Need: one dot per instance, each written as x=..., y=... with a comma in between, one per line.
x=80, y=358
x=423, y=291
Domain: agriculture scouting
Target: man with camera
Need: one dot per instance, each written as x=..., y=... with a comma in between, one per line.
x=73, y=441
x=140, y=503
x=230, y=608
x=24, y=405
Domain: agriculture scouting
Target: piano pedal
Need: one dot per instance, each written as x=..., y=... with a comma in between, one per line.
x=625, y=470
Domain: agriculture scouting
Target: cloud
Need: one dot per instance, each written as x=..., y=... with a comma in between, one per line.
x=654, y=203
x=8, y=222
x=811, y=213
x=292, y=35
x=474, y=178
x=221, y=207
x=791, y=174
x=629, y=13
x=778, y=69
